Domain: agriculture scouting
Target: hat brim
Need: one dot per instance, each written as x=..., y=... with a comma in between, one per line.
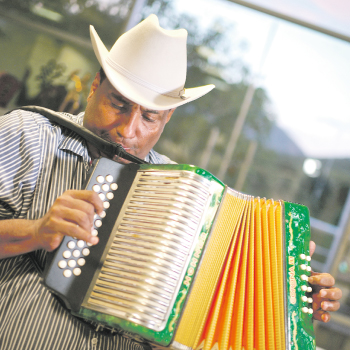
x=139, y=93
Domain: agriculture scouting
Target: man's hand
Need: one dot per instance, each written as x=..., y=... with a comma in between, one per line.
x=325, y=296
x=72, y=214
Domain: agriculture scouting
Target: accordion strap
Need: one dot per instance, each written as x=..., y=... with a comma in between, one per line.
x=110, y=149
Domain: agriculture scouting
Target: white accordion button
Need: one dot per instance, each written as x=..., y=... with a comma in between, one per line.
x=110, y=195
x=109, y=178
x=96, y=188
x=304, y=278
x=105, y=187
x=302, y=256
x=77, y=271
x=72, y=263
x=67, y=273
x=94, y=232
x=76, y=253
x=98, y=223
x=71, y=244
x=311, y=311
x=81, y=261
x=106, y=205
x=102, y=196
x=304, y=288
x=86, y=251
x=100, y=179
x=309, y=289
x=62, y=264
x=66, y=254
x=303, y=266
x=114, y=186
x=305, y=310
x=304, y=298
x=310, y=300
x=308, y=258
x=80, y=243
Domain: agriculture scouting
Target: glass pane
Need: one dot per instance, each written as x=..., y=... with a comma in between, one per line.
x=299, y=115
x=293, y=144
x=71, y=16
x=329, y=14
x=46, y=47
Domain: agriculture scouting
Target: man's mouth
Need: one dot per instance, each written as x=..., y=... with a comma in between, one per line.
x=128, y=149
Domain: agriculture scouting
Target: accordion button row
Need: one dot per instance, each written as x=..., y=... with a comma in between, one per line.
x=75, y=272
x=78, y=249
x=108, y=178
x=305, y=299
x=307, y=289
x=105, y=187
x=307, y=310
x=306, y=268
x=305, y=257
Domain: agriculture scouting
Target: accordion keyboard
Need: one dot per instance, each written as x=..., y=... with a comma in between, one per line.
x=150, y=247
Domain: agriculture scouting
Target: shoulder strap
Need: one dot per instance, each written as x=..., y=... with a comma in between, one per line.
x=111, y=149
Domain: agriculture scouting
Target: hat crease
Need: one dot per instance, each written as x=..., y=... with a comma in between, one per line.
x=126, y=73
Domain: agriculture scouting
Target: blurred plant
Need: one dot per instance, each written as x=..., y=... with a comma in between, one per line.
x=49, y=73
x=76, y=96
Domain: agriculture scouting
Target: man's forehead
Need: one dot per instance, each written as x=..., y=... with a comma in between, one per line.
x=114, y=93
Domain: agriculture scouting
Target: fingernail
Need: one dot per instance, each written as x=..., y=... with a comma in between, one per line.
x=324, y=305
x=93, y=240
x=323, y=293
x=324, y=318
x=311, y=279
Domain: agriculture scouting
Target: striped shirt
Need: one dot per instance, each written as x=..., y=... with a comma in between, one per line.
x=39, y=161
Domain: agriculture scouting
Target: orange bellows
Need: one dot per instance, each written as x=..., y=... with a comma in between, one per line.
x=246, y=308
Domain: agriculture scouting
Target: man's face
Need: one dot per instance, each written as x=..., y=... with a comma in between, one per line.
x=115, y=118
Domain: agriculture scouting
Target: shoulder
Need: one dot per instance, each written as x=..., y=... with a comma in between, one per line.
x=19, y=118
x=30, y=130
x=23, y=123
x=157, y=158
x=26, y=118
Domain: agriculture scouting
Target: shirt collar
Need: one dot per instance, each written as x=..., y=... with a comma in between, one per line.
x=72, y=142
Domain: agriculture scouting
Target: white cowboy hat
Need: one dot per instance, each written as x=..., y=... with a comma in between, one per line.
x=148, y=65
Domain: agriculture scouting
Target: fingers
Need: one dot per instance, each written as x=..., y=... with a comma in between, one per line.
x=321, y=280
x=81, y=200
x=325, y=296
x=330, y=293
x=327, y=299
x=324, y=302
x=312, y=247
x=72, y=214
x=322, y=316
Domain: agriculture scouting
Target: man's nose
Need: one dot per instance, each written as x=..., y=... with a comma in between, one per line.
x=129, y=124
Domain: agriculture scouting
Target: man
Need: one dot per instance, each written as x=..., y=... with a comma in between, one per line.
x=43, y=167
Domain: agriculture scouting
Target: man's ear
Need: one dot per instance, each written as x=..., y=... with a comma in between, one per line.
x=170, y=113
x=95, y=84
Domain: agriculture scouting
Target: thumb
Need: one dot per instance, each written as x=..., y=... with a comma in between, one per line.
x=312, y=247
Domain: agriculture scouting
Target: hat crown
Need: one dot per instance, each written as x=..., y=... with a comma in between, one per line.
x=153, y=55
x=148, y=65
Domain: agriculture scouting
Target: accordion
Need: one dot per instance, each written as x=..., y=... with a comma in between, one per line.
x=185, y=262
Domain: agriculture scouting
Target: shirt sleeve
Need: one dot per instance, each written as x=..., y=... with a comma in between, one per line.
x=19, y=163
